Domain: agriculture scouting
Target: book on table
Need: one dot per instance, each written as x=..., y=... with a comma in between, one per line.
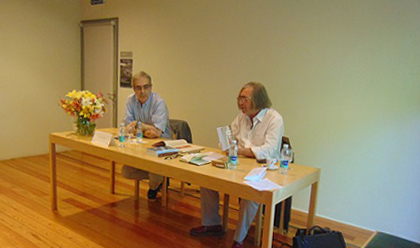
x=201, y=158
x=182, y=145
x=161, y=151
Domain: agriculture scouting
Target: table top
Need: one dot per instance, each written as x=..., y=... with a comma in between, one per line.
x=208, y=176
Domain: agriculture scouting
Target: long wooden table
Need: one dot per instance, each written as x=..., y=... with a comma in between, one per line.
x=226, y=181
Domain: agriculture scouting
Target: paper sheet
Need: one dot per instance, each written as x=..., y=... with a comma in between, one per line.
x=102, y=139
x=223, y=133
x=256, y=174
x=264, y=184
x=213, y=156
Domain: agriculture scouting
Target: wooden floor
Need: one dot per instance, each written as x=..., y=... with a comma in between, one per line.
x=90, y=217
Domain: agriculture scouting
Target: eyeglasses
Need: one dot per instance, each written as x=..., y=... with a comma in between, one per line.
x=144, y=87
x=172, y=156
x=243, y=98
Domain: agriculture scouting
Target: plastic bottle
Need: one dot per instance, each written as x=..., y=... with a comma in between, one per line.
x=139, y=133
x=121, y=135
x=233, y=155
x=285, y=158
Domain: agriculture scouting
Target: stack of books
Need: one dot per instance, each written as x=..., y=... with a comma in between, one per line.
x=182, y=145
x=162, y=151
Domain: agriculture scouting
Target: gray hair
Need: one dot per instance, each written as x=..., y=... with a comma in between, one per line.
x=139, y=75
x=260, y=97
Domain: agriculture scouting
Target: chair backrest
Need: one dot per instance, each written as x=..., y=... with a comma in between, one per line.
x=181, y=130
x=286, y=140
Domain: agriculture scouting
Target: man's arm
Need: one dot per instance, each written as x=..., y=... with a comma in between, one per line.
x=234, y=126
x=129, y=119
x=128, y=114
x=247, y=152
x=160, y=118
x=272, y=141
x=150, y=131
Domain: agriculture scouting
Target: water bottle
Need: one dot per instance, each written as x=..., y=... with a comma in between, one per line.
x=139, y=133
x=285, y=158
x=233, y=155
x=121, y=135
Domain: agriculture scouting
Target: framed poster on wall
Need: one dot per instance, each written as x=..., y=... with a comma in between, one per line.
x=126, y=69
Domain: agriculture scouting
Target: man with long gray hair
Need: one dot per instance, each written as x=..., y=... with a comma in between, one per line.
x=258, y=130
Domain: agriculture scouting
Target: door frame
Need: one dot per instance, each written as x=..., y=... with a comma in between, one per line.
x=114, y=23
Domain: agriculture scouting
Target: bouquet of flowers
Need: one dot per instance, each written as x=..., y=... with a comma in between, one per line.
x=86, y=107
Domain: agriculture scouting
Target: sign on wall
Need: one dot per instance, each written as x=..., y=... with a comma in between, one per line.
x=126, y=69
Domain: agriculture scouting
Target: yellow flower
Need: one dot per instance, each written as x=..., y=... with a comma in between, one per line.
x=83, y=104
x=75, y=94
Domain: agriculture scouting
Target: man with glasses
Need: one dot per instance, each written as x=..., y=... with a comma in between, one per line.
x=150, y=109
x=258, y=130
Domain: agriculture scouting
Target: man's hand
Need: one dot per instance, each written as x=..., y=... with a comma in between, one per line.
x=150, y=131
x=247, y=152
x=131, y=128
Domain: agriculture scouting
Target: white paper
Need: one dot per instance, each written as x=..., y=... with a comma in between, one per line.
x=210, y=156
x=256, y=174
x=223, y=137
x=102, y=139
x=264, y=184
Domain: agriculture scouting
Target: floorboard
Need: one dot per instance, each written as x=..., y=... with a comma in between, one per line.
x=90, y=217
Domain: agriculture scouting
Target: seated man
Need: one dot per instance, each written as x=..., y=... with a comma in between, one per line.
x=146, y=106
x=258, y=130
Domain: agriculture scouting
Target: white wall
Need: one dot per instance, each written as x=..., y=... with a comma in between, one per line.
x=39, y=63
x=344, y=75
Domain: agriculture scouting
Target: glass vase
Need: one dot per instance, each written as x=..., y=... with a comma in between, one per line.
x=84, y=127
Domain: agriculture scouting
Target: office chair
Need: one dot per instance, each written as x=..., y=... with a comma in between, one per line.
x=283, y=209
x=181, y=130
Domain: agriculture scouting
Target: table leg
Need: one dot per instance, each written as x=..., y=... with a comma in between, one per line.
x=136, y=190
x=53, y=177
x=182, y=189
x=283, y=209
x=312, y=206
x=164, y=191
x=112, y=177
x=225, y=212
x=268, y=225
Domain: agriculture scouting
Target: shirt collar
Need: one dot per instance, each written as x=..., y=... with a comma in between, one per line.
x=147, y=103
x=258, y=118
x=260, y=115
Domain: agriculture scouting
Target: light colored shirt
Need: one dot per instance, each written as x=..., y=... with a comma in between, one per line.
x=153, y=112
x=263, y=134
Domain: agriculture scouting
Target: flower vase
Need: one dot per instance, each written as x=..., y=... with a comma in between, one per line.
x=84, y=127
